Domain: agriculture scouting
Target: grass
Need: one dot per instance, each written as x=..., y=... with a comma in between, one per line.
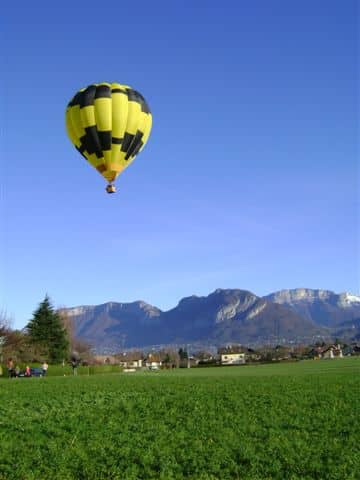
x=282, y=421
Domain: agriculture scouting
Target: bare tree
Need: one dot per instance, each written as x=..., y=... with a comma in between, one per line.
x=5, y=321
x=170, y=358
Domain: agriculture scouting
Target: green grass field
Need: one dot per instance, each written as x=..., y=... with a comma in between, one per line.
x=283, y=421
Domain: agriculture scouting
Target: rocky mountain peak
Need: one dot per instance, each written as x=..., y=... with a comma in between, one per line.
x=348, y=299
x=323, y=307
x=300, y=294
x=146, y=307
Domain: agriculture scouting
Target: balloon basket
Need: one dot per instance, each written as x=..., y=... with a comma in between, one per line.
x=111, y=188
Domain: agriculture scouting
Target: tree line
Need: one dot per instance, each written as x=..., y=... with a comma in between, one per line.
x=49, y=335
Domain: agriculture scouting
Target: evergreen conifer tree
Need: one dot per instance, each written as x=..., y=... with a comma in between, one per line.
x=46, y=331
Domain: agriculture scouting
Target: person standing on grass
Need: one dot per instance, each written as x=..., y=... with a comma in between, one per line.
x=44, y=367
x=10, y=367
x=27, y=371
x=74, y=365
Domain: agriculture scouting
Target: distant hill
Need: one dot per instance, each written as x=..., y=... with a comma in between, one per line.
x=224, y=316
x=322, y=307
x=116, y=323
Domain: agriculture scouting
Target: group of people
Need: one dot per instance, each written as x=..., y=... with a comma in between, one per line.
x=14, y=371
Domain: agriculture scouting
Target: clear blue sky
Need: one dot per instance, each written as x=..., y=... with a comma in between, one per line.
x=249, y=179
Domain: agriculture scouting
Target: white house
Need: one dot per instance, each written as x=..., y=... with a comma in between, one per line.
x=153, y=361
x=131, y=363
x=153, y=364
x=332, y=352
x=232, y=358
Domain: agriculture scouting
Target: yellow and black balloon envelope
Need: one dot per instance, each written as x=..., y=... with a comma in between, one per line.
x=109, y=124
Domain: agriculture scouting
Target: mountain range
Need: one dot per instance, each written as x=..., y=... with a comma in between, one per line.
x=224, y=316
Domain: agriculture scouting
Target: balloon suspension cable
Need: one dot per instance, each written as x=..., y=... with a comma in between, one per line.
x=111, y=188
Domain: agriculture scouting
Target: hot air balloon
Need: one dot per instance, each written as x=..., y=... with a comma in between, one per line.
x=109, y=124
